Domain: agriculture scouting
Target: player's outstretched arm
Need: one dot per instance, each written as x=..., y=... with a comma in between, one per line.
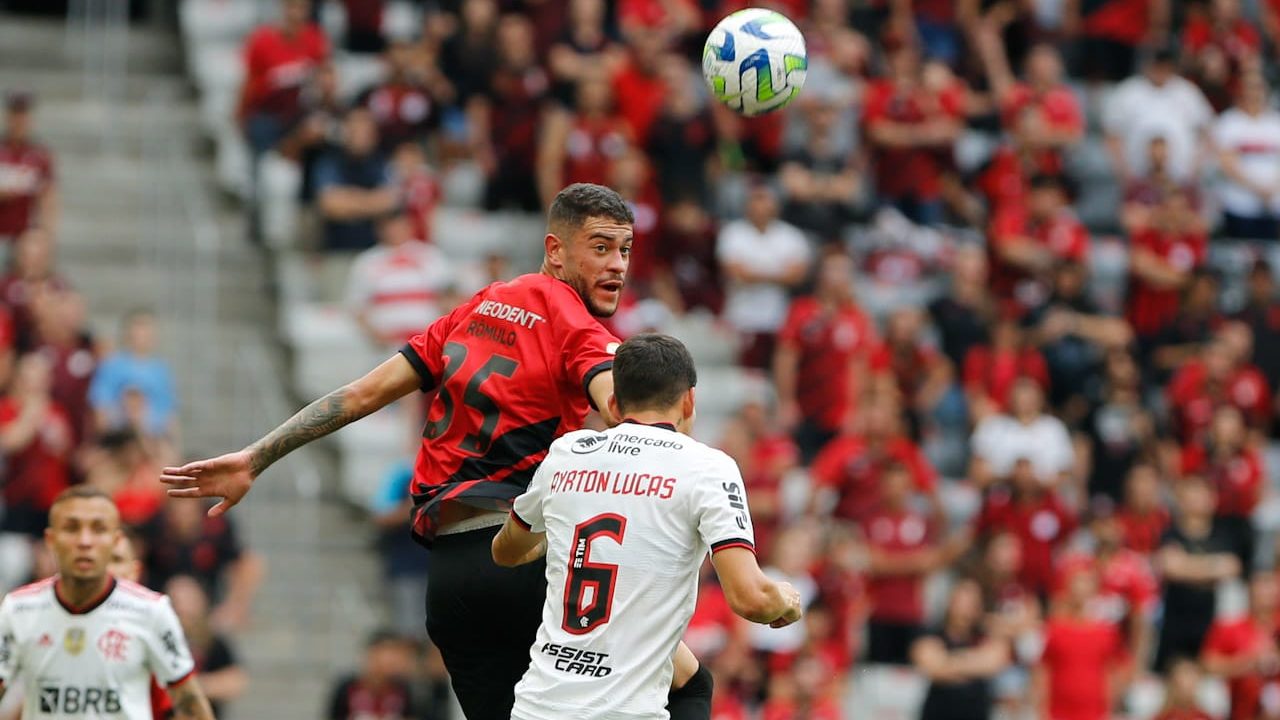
x=601, y=391
x=514, y=545
x=189, y=701
x=750, y=593
x=230, y=476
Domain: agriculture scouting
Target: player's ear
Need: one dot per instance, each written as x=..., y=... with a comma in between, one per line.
x=688, y=406
x=613, y=406
x=553, y=247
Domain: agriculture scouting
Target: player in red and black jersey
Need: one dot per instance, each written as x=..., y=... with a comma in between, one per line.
x=517, y=366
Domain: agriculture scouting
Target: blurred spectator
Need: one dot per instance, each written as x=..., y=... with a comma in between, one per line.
x=1237, y=474
x=318, y=131
x=826, y=335
x=762, y=259
x=183, y=540
x=1220, y=376
x=1128, y=591
x=1026, y=433
x=912, y=119
x=404, y=565
x=822, y=180
x=1243, y=651
x=408, y=104
x=1186, y=335
x=35, y=440
x=31, y=270
x=354, y=186
x=1180, y=692
x=118, y=463
x=136, y=366
x=399, y=285
x=963, y=315
x=584, y=48
x=467, y=57
x=364, y=25
x=1247, y=137
x=686, y=273
x=990, y=371
x=1156, y=103
x=1195, y=555
x=907, y=369
x=64, y=340
x=1043, y=110
x=505, y=119
x=1143, y=516
x=1219, y=45
x=380, y=690
x=1110, y=32
x=1082, y=668
x=903, y=549
x=682, y=139
x=852, y=466
x=279, y=61
x=1032, y=510
x=959, y=659
x=1119, y=430
x=766, y=455
x=28, y=191
x=578, y=145
x=1028, y=243
x=1261, y=313
x=1145, y=195
x=642, y=73
x=221, y=677
x=793, y=555
x=1162, y=257
x=418, y=187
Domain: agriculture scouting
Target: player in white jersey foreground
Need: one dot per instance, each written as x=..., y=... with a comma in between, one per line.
x=84, y=644
x=627, y=516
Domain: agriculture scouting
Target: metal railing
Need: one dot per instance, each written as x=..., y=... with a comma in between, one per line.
x=98, y=33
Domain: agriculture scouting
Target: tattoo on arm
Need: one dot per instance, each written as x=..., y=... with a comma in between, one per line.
x=189, y=702
x=312, y=422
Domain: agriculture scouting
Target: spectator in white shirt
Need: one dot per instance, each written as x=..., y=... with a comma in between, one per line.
x=396, y=287
x=1247, y=138
x=1027, y=432
x=1156, y=103
x=763, y=259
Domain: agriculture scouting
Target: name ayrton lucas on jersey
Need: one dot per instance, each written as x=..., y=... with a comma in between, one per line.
x=615, y=483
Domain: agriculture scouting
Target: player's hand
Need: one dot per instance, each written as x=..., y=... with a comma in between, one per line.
x=793, y=611
x=228, y=477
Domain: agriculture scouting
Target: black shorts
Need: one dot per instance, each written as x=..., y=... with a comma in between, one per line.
x=890, y=643
x=484, y=619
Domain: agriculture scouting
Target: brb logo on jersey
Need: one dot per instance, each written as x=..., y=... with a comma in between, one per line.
x=72, y=700
x=587, y=445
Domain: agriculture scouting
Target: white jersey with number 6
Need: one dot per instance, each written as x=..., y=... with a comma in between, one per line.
x=91, y=663
x=630, y=513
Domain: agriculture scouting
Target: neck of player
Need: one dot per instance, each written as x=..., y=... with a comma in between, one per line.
x=78, y=592
x=671, y=416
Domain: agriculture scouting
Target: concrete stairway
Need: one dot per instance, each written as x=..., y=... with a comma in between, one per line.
x=143, y=226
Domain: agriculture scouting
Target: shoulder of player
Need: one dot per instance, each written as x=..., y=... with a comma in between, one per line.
x=134, y=590
x=27, y=596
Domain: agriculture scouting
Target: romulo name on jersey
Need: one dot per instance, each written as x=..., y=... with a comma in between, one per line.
x=510, y=313
x=72, y=700
x=489, y=331
x=577, y=662
x=616, y=483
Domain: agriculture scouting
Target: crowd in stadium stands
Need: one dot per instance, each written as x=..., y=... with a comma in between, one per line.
x=79, y=408
x=1074, y=469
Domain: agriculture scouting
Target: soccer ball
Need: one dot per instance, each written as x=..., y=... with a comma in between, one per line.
x=755, y=61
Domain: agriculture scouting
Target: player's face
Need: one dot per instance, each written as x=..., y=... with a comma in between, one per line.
x=595, y=261
x=81, y=535
x=124, y=563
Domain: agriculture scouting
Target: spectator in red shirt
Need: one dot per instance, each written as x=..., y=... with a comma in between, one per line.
x=906, y=370
x=643, y=79
x=1043, y=110
x=903, y=549
x=1110, y=32
x=990, y=371
x=380, y=691
x=505, y=117
x=1033, y=511
x=1081, y=670
x=852, y=466
x=1180, y=692
x=1243, y=651
x=1163, y=255
x=686, y=273
x=1217, y=378
x=408, y=104
x=1129, y=593
x=1143, y=517
x=826, y=335
x=579, y=145
x=419, y=188
x=1219, y=45
x=28, y=191
x=1236, y=471
x=1029, y=243
x=279, y=61
x=30, y=273
x=62, y=339
x=1145, y=195
x=913, y=118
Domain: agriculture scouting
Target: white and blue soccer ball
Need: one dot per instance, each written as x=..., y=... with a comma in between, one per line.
x=754, y=61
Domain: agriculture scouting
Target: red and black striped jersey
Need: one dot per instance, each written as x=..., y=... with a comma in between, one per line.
x=512, y=366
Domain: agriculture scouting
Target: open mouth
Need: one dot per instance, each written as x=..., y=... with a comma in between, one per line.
x=610, y=285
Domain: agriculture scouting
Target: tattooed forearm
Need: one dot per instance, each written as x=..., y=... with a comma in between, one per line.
x=189, y=702
x=329, y=413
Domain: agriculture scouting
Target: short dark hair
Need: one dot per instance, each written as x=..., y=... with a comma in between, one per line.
x=652, y=371
x=81, y=492
x=577, y=203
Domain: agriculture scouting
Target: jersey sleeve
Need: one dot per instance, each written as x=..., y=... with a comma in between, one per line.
x=168, y=656
x=8, y=645
x=586, y=348
x=720, y=507
x=527, y=509
x=425, y=351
